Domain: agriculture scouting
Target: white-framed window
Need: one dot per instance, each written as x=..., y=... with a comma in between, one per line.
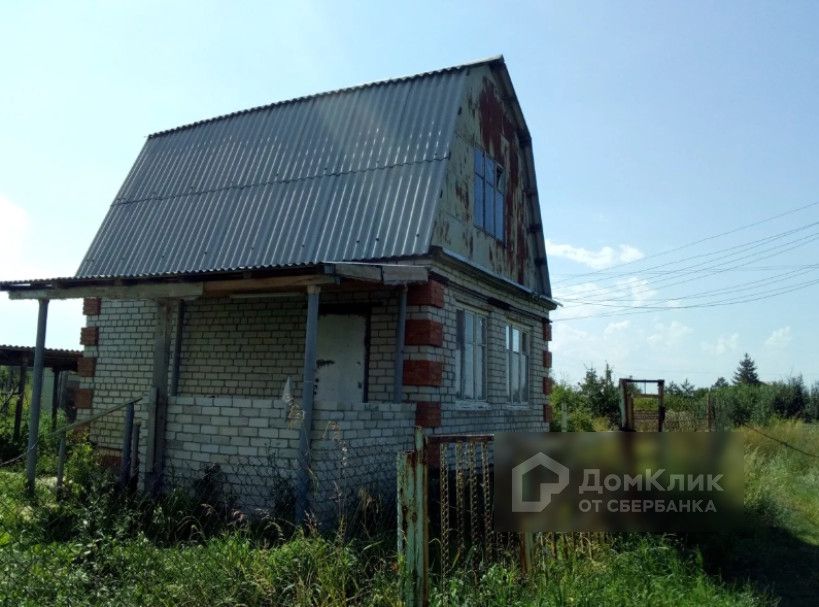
x=470, y=356
x=490, y=190
x=517, y=365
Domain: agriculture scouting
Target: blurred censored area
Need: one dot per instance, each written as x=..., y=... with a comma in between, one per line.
x=618, y=481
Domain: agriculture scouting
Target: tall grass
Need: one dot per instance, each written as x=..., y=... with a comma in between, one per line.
x=96, y=547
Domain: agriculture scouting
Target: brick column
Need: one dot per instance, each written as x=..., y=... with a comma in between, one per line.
x=423, y=358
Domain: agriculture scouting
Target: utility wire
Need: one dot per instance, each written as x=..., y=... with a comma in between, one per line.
x=707, y=238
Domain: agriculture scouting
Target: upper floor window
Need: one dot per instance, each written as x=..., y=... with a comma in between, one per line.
x=517, y=365
x=470, y=356
x=490, y=190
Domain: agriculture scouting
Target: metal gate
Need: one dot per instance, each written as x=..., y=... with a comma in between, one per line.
x=445, y=513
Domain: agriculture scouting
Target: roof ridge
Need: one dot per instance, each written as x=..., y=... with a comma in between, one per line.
x=347, y=89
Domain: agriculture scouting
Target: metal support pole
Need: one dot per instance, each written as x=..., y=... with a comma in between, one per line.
x=413, y=523
x=308, y=394
x=135, y=450
x=127, y=431
x=177, y=347
x=400, y=329
x=158, y=407
x=36, y=395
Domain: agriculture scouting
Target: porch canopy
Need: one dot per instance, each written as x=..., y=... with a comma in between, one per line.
x=194, y=285
x=170, y=291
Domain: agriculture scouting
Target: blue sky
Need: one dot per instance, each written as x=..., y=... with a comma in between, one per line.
x=654, y=125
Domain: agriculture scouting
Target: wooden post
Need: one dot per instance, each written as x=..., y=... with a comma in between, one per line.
x=660, y=405
x=158, y=407
x=36, y=395
x=709, y=412
x=413, y=523
x=400, y=329
x=307, y=396
x=527, y=551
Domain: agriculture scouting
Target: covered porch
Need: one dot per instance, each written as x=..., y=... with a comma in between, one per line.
x=205, y=347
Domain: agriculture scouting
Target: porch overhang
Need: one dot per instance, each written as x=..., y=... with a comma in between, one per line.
x=217, y=284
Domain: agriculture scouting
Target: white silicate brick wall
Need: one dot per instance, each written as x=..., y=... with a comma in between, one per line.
x=237, y=355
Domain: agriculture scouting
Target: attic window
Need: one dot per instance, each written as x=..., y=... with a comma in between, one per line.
x=489, y=194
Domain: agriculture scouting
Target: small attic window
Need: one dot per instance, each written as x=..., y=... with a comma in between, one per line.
x=489, y=194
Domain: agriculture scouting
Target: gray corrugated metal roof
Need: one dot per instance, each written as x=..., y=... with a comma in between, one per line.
x=341, y=176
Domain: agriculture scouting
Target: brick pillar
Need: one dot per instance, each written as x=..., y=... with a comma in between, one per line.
x=423, y=363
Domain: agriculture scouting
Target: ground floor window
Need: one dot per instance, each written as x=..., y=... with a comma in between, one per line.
x=470, y=356
x=517, y=365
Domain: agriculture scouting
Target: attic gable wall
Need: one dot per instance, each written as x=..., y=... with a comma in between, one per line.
x=487, y=121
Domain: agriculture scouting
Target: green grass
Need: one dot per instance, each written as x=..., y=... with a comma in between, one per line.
x=97, y=549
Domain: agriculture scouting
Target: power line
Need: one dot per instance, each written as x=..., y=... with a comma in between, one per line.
x=738, y=249
x=707, y=238
x=646, y=309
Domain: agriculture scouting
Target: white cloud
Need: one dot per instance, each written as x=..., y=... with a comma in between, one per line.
x=779, y=339
x=604, y=257
x=723, y=344
x=616, y=327
x=668, y=335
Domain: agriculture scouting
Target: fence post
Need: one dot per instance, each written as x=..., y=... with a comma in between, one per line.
x=527, y=551
x=127, y=432
x=413, y=520
x=135, y=450
x=710, y=412
x=60, y=464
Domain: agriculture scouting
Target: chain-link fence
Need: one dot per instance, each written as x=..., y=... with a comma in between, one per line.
x=80, y=535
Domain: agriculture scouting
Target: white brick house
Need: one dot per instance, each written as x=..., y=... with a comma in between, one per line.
x=381, y=245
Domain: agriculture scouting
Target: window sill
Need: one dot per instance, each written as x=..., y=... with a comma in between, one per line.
x=517, y=407
x=471, y=405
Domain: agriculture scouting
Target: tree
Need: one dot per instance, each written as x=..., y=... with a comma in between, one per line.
x=746, y=372
x=720, y=383
x=601, y=394
x=687, y=389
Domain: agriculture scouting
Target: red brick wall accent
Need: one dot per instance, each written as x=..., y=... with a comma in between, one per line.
x=91, y=306
x=423, y=373
x=428, y=294
x=547, y=413
x=548, y=384
x=87, y=366
x=422, y=332
x=83, y=398
x=547, y=359
x=89, y=336
x=547, y=330
x=428, y=414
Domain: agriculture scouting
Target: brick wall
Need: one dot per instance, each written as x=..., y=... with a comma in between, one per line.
x=238, y=354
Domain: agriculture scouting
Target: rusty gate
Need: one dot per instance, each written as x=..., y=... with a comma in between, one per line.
x=445, y=513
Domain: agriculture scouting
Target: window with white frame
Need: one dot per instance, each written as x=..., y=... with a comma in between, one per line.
x=517, y=365
x=470, y=356
x=490, y=190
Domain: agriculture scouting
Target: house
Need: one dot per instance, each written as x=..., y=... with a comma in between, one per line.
x=331, y=270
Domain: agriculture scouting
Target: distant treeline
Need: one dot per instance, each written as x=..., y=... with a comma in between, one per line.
x=744, y=400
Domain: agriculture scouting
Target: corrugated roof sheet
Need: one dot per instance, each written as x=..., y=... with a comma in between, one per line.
x=349, y=175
